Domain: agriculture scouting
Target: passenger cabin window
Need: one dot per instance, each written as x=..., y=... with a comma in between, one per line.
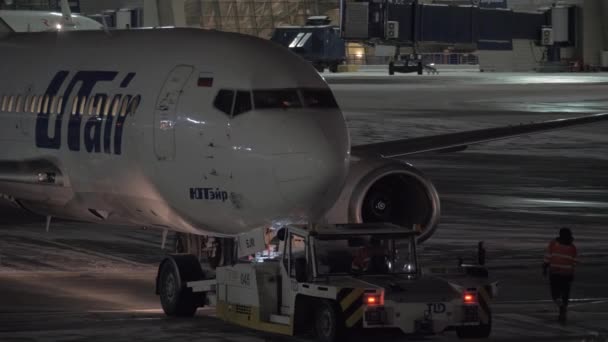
x=53, y=108
x=34, y=105
x=90, y=108
x=45, y=106
x=82, y=106
x=278, y=98
x=106, y=109
x=38, y=106
x=19, y=104
x=115, y=105
x=75, y=105
x=134, y=104
x=59, y=104
x=125, y=105
x=4, y=101
x=28, y=103
x=11, y=101
x=242, y=103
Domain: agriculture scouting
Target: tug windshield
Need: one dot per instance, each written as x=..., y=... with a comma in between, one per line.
x=365, y=254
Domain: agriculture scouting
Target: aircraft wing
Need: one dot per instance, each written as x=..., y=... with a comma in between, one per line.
x=460, y=140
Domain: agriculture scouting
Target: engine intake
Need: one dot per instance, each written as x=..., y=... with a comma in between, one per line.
x=388, y=191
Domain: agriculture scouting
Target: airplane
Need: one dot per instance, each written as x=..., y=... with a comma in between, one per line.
x=153, y=128
x=36, y=21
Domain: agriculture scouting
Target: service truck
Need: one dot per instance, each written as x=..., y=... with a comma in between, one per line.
x=330, y=280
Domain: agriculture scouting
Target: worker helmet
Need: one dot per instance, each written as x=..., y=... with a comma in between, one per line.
x=565, y=234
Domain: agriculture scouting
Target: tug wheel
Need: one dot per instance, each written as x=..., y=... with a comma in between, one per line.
x=329, y=325
x=176, y=299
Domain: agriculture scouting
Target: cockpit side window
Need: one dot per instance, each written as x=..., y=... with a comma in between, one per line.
x=224, y=100
x=242, y=103
x=319, y=98
x=277, y=98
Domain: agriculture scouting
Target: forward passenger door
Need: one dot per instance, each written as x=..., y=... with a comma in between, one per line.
x=165, y=112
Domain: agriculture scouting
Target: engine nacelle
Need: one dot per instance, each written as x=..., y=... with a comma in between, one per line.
x=383, y=190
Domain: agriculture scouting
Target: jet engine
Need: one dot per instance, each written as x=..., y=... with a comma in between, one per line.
x=383, y=190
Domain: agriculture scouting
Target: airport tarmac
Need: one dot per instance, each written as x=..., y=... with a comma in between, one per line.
x=95, y=283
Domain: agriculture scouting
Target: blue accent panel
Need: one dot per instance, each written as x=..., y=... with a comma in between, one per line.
x=125, y=83
x=92, y=134
x=120, y=122
x=88, y=80
x=107, y=131
x=43, y=140
x=74, y=132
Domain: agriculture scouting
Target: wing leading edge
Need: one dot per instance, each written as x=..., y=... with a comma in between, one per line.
x=460, y=140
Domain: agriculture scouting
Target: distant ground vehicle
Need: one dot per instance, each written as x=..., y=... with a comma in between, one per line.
x=317, y=42
x=411, y=63
x=314, y=284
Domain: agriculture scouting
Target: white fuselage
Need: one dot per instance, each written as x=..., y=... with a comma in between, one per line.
x=41, y=21
x=132, y=121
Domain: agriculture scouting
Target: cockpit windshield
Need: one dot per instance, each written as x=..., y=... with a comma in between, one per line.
x=234, y=102
x=365, y=254
x=319, y=98
x=276, y=98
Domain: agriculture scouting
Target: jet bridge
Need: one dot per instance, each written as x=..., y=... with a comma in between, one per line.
x=467, y=27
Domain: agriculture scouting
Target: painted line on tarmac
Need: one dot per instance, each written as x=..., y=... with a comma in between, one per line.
x=155, y=310
x=542, y=323
x=579, y=301
x=590, y=303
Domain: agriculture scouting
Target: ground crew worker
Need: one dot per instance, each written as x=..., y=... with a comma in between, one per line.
x=371, y=258
x=559, y=262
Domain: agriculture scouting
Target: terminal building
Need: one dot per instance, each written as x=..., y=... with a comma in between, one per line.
x=549, y=35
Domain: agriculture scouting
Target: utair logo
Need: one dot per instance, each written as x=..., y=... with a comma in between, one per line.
x=105, y=114
x=208, y=194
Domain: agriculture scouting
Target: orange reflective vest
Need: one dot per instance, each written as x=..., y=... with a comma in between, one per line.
x=560, y=258
x=360, y=260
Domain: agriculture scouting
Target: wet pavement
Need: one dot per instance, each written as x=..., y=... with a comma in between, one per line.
x=83, y=282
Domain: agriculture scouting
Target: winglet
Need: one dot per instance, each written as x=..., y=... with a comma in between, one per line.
x=66, y=12
x=105, y=25
x=5, y=29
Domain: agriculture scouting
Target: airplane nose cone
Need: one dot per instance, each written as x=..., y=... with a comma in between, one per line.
x=311, y=171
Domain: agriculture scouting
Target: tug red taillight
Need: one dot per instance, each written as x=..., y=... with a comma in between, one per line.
x=372, y=300
x=469, y=298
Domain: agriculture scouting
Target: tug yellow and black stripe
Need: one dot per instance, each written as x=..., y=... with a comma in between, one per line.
x=484, y=297
x=351, y=304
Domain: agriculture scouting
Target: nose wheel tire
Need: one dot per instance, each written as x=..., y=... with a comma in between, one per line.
x=175, y=298
x=328, y=323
